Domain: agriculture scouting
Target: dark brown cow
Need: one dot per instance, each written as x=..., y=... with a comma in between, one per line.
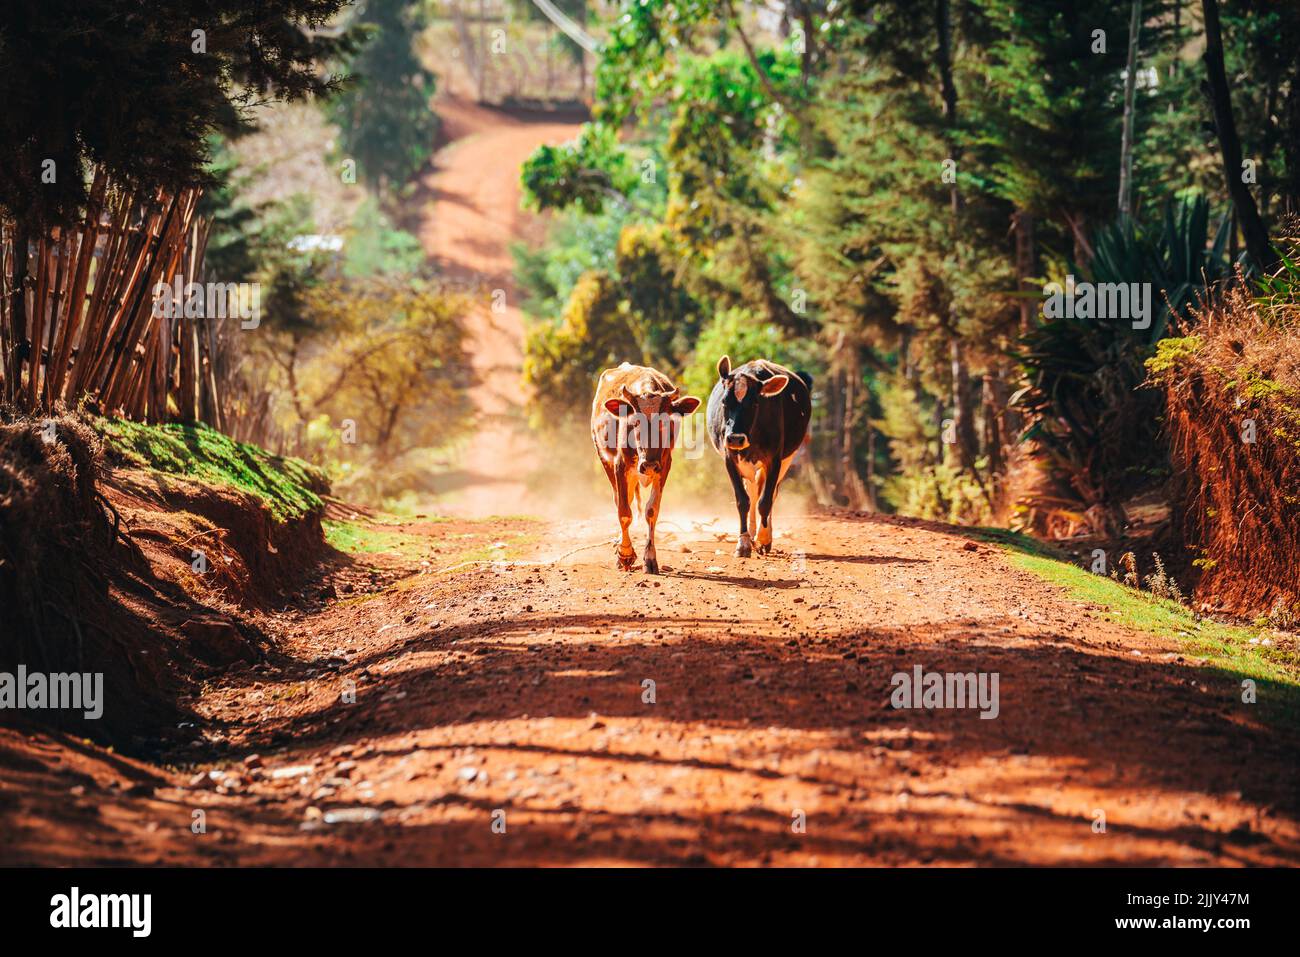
x=758, y=419
x=635, y=420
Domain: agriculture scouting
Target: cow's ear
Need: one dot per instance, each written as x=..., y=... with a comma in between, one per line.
x=617, y=407
x=775, y=385
x=724, y=367
x=686, y=405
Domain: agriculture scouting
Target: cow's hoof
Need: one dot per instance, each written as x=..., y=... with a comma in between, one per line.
x=651, y=566
x=743, y=550
x=626, y=562
x=765, y=549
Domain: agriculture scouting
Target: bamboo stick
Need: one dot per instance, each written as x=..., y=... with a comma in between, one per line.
x=77, y=299
x=36, y=323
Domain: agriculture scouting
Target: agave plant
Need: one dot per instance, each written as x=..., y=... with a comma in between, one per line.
x=1082, y=401
x=1177, y=260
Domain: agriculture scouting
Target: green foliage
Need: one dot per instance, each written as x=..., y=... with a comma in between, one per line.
x=664, y=316
x=1048, y=110
x=1278, y=294
x=585, y=173
x=233, y=251
x=634, y=66
x=288, y=273
x=922, y=483
x=289, y=487
x=1175, y=259
x=1261, y=42
x=742, y=336
x=375, y=247
x=384, y=115
x=939, y=492
x=563, y=359
x=1172, y=355
x=575, y=244
x=908, y=423
x=135, y=90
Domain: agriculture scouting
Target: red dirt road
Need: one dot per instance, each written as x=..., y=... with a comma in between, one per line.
x=498, y=714
x=514, y=695
x=467, y=230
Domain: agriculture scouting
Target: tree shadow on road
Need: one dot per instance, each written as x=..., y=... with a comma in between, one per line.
x=1073, y=719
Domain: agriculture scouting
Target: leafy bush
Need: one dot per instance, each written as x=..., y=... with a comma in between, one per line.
x=586, y=173
x=376, y=247
x=739, y=334
x=563, y=359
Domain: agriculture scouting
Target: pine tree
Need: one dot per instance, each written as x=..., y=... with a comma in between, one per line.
x=384, y=115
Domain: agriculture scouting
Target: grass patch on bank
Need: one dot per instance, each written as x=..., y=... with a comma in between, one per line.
x=358, y=539
x=1220, y=646
x=482, y=541
x=287, y=486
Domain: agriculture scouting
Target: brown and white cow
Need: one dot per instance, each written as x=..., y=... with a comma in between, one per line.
x=635, y=420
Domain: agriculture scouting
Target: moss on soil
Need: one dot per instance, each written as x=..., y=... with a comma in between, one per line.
x=288, y=486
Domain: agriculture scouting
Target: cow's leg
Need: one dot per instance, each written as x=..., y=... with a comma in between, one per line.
x=770, y=479
x=622, y=478
x=743, y=545
x=653, y=497
x=754, y=487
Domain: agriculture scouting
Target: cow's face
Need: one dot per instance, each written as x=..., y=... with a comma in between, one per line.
x=654, y=420
x=740, y=398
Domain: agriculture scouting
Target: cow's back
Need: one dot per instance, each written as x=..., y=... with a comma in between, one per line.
x=638, y=379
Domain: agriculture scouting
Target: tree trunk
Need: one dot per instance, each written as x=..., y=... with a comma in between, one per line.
x=18, y=309
x=943, y=17
x=1130, y=91
x=993, y=395
x=835, y=432
x=962, y=413
x=1022, y=222
x=1291, y=145
x=855, y=492
x=1252, y=226
x=872, y=504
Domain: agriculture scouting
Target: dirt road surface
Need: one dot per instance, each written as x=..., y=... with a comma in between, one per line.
x=546, y=709
x=467, y=230
x=411, y=724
